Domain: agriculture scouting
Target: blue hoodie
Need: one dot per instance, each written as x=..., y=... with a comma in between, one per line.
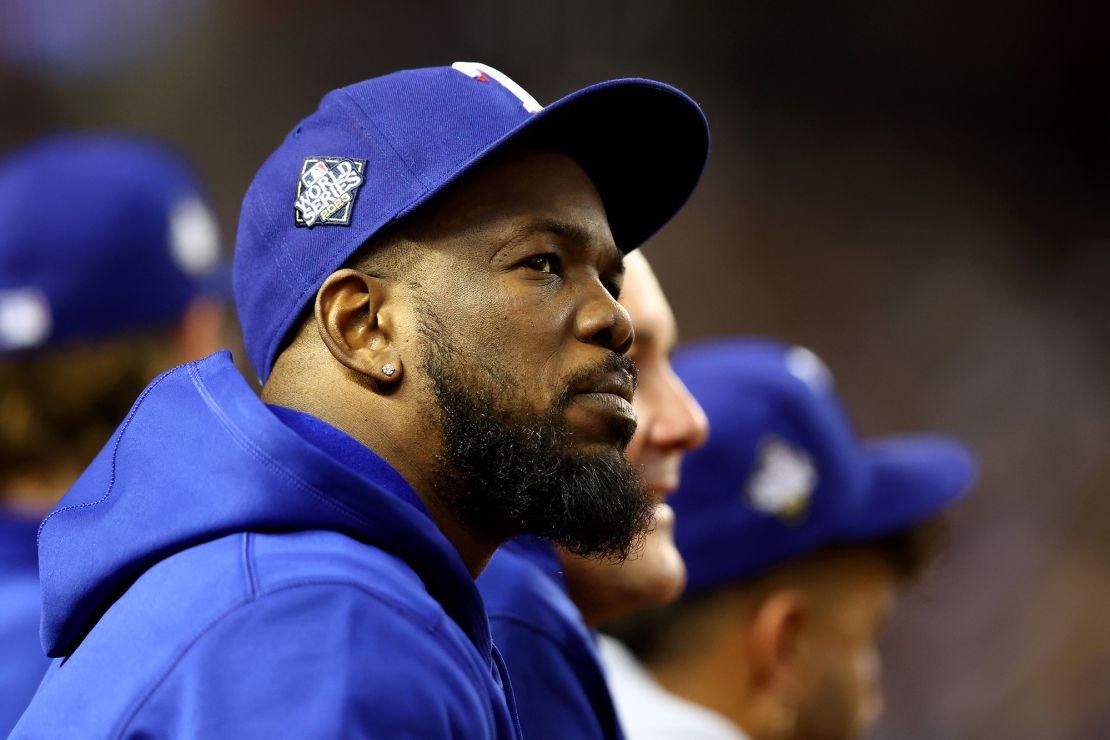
x=552, y=656
x=214, y=573
x=21, y=660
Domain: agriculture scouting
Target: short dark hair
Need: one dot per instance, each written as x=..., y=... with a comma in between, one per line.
x=909, y=551
x=653, y=634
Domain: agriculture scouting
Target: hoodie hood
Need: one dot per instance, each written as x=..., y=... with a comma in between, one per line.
x=199, y=457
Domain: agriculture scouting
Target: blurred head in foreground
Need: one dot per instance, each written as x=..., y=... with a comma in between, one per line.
x=670, y=424
x=110, y=272
x=796, y=538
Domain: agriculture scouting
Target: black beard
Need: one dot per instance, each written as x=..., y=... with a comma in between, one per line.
x=505, y=470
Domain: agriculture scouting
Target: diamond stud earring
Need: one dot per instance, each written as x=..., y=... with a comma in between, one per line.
x=388, y=369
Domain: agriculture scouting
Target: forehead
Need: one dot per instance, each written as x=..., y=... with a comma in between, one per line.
x=516, y=188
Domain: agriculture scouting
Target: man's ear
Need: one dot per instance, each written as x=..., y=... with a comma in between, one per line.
x=778, y=629
x=353, y=315
x=779, y=641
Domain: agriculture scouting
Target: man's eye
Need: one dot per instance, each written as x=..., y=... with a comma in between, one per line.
x=542, y=263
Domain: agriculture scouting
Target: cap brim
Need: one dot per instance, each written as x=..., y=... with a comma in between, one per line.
x=643, y=143
x=911, y=479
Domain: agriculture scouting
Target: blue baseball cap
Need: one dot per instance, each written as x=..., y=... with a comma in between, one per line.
x=375, y=151
x=783, y=473
x=100, y=234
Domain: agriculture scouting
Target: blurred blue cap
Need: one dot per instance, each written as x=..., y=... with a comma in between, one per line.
x=783, y=474
x=375, y=151
x=100, y=234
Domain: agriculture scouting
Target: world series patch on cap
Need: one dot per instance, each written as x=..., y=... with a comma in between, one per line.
x=783, y=473
x=326, y=191
x=376, y=151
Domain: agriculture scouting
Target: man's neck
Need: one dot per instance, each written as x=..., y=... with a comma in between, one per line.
x=475, y=549
x=408, y=450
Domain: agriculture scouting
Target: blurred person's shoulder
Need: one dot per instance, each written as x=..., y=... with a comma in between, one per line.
x=556, y=676
x=523, y=583
x=648, y=711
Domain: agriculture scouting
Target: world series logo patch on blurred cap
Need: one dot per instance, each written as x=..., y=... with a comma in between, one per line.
x=326, y=191
x=24, y=318
x=782, y=481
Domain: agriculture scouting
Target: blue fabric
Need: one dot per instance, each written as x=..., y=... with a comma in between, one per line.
x=558, y=680
x=101, y=233
x=347, y=450
x=758, y=391
x=22, y=661
x=214, y=574
x=412, y=133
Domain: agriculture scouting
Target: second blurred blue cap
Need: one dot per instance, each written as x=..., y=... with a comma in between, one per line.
x=375, y=151
x=100, y=234
x=783, y=473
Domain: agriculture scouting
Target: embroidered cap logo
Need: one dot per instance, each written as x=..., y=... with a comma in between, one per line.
x=484, y=72
x=326, y=190
x=782, y=480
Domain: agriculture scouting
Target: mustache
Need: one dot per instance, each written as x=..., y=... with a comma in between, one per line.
x=596, y=375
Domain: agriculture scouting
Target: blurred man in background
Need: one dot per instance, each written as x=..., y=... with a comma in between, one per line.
x=110, y=273
x=796, y=537
x=543, y=600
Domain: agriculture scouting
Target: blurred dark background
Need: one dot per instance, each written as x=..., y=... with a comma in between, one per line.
x=917, y=191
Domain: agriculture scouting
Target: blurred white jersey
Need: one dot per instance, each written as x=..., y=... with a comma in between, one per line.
x=647, y=711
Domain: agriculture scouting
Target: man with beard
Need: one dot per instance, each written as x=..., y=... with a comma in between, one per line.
x=426, y=272
x=797, y=537
x=543, y=634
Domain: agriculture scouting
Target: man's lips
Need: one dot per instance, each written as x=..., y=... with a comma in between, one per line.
x=661, y=471
x=610, y=393
x=664, y=516
x=608, y=402
x=615, y=383
x=661, y=490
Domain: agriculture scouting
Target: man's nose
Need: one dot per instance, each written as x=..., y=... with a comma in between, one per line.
x=605, y=322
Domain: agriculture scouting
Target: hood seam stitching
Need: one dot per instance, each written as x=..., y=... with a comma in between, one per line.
x=259, y=455
x=115, y=452
x=381, y=598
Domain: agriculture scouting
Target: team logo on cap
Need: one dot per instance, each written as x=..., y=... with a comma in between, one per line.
x=808, y=368
x=484, y=73
x=24, y=318
x=782, y=481
x=194, y=236
x=326, y=190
